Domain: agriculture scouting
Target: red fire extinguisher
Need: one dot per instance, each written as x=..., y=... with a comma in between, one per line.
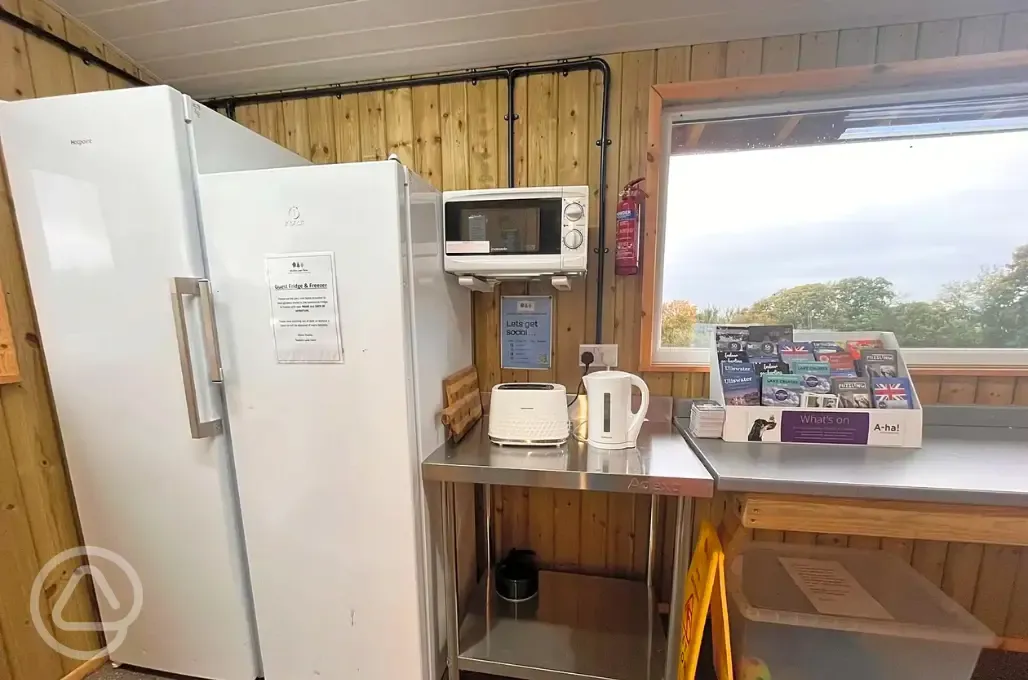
x=629, y=227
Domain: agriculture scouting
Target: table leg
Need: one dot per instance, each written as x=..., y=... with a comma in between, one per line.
x=683, y=542
x=651, y=542
x=450, y=567
x=488, y=489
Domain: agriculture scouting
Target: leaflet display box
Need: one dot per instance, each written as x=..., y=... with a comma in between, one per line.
x=870, y=427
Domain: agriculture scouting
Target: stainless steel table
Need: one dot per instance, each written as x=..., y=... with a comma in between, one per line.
x=581, y=627
x=983, y=464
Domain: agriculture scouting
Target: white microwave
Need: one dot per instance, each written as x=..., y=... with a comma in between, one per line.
x=517, y=232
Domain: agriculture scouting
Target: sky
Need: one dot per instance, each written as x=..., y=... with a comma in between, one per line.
x=925, y=212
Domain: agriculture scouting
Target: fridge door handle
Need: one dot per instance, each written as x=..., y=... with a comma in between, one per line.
x=199, y=430
x=210, y=332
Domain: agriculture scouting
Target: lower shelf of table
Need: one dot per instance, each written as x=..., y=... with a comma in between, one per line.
x=585, y=627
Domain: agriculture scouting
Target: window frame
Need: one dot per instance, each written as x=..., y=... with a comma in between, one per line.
x=1000, y=74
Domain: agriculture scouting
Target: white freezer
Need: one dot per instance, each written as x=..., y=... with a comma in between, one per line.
x=104, y=191
x=328, y=454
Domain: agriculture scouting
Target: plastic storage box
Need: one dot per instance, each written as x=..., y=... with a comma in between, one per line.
x=803, y=612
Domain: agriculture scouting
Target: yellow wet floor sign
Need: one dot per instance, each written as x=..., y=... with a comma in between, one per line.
x=705, y=592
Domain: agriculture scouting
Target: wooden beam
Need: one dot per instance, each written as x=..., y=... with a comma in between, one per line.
x=888, y=519
x=9, y=371
x=654, y=162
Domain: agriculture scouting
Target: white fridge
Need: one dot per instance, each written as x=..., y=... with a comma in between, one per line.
x=337, y=326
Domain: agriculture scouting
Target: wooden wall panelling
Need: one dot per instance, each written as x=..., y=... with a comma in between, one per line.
x=15, y=72
x=399, y=125
x=896, y=43
x=744, y=58
x=483, y=130
x=542, y=144
x=346, y=116
x=24, y=654
x=50, y=64
x=321, y=130
x=857, y=47
x=249, y=116
x=929, y=559
x=995, y=391
x=296, y=127
x=980, y=35
x=638, y=74
x=996, y=581
x=928, y=387
x=1021, y=392
x=273, y=121
x=819, y=50
x=781, y=54
x=902, y=548
x=958, y=389
x=938, y=39
x=865, y=542
x=118, y=59
x=960, y=574
x=572, y=136
x=10, y=372
x=442, y=145
x=1017, y=618
x=372, y=126
x=709, y=61
x=87, y=77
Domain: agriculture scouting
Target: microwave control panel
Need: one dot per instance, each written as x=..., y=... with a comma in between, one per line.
x=575, y=229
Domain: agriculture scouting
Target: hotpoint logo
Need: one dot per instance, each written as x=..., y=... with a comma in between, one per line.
x=294, y=217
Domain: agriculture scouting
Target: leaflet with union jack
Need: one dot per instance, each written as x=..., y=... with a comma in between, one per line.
x=796, y=351
x=892, y=392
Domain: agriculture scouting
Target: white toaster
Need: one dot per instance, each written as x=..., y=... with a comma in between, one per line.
x=529, y=414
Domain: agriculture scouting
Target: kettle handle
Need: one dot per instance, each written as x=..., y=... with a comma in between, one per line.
x=640, y=415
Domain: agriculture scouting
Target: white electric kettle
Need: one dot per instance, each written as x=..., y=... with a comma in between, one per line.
x=612, y=424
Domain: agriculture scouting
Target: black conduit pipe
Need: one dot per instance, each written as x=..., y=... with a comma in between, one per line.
x=507, y=73
x=84, y=54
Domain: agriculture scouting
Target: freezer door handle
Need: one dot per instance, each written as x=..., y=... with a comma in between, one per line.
x=191, y=286
x=210, y=332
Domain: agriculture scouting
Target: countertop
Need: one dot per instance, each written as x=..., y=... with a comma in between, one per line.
x=981, y=464
x=662, y=463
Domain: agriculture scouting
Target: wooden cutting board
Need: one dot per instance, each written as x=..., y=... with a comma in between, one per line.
x=463, y=402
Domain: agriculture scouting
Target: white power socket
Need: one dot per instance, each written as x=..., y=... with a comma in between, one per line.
x=604, y=356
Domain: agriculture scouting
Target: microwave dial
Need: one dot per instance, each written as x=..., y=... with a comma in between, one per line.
x=573, y=239
x=574, y=212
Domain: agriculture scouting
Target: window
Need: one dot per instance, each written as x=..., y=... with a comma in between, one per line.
x=906, y=216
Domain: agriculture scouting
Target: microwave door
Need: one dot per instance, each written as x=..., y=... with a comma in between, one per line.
x=504, y=227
